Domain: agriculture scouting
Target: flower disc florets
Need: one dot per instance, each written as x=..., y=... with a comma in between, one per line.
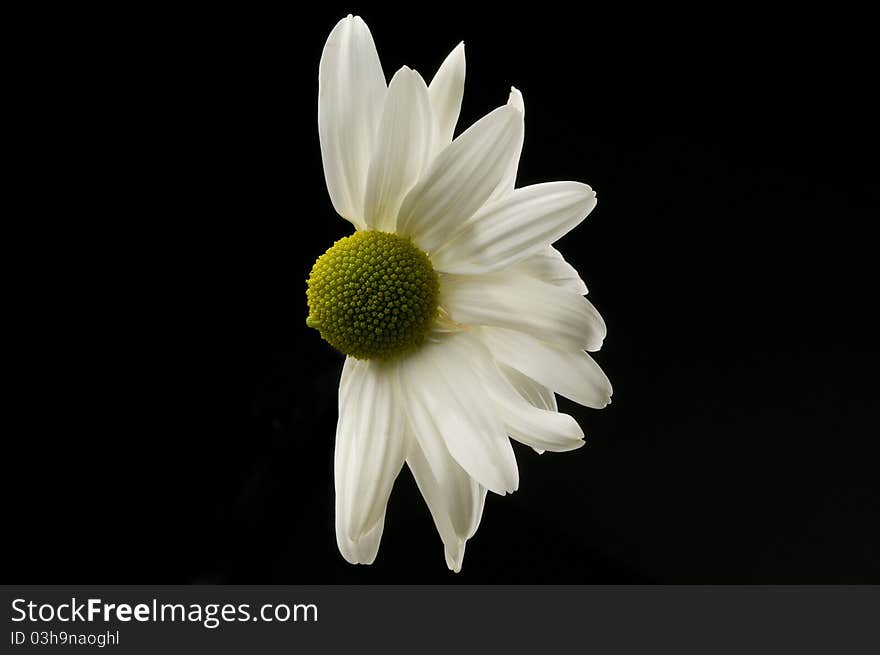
x=373, y=295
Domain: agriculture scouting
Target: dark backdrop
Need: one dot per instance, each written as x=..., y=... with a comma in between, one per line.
x=180, y=416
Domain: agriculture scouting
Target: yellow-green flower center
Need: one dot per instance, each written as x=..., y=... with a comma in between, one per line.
x=373, y=295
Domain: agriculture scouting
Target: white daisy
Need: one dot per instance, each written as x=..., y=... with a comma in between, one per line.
x=459, y=319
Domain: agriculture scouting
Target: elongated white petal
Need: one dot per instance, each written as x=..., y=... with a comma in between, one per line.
x=461, y=493
x=539, y=428
x=446, y=91
x=534, y=393
x=548, y=265
x=454, y=499
x=508, y=180
x=571, y=373
x=370, y=445
x=351, y=91
x=364, y=549
x=453, y=544
x=511, y=229
x=459, y=180
x=523, y=303
x=445, y=395
x=402, y=149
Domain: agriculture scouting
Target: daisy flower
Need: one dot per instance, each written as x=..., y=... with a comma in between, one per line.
x=458, y=318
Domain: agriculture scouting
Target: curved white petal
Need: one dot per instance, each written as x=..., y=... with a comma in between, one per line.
x=550, y=266
x=460, y=179
x=351, y=91
x=460, y=492
x=523, y=303
x=454, y=499
x=571, y=373
x=534, y=393
x=508, y=180
x=442, y=382
x=370, y=447
x=403, y=146
x=521, y=224
x=446, y=92
x=453, y=544
x=539, y=428
x=364, y=549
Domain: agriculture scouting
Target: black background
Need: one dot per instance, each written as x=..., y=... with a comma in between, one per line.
x=179, y=416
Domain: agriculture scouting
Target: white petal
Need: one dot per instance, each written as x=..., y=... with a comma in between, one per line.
x=454, y=499
x=550, y=266
x=508, y=180
x=523, y=303
x=534, y=393
x=364, y=549
x=461, y=494
x=460, y=179
x=402, y=149
x=446, y=91
x=453, y=545
x=521, y=224
x=370, y=447
x=571, y=373
x=539, y=428
x=442, y=382
x=351, y=91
